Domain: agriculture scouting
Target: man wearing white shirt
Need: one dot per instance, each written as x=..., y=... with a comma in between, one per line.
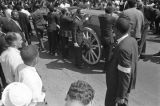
x=10, y=58
x=28, y=74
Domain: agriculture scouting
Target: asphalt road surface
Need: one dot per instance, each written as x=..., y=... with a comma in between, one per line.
x=57, y=75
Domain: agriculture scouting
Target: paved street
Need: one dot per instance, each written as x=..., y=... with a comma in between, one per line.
x=58, y=74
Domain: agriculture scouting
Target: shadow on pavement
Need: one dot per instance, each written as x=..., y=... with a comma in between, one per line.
x=152, y=58
x=61, y=64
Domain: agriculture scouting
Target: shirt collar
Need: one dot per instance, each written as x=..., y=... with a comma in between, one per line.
x=122, y=38
x=15, y=49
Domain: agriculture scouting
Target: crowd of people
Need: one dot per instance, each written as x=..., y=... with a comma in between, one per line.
x=124, y=43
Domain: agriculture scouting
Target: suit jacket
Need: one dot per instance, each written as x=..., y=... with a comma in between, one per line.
x=119, y=83
x=52, y=21
x=136, y=21
x=66, y=22
x=11, y=26
x=24, y=23
x=106, y=25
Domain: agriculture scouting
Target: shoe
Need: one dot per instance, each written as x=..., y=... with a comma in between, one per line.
x=156, y=54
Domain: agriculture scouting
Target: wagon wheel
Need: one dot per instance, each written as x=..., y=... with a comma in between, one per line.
x=91, y=47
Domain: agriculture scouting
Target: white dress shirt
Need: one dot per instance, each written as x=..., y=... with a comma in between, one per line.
x=29, y=76
x=10, y=59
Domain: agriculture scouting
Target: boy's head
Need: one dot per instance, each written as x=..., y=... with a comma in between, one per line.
x=122, y=26
x=80, y=94
x=29, y=55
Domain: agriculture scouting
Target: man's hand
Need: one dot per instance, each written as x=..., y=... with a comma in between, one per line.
x=76, y=45
x=120, y=100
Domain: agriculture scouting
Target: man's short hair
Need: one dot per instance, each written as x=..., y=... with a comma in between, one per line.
x=81, y=91
x=10, y=38
x=123, y=24
x=109, y=9
x=132, y=3
x=18, y=7
x=29, y=53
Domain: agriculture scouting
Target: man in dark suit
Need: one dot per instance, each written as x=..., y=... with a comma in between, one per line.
x=77, y=35
x=121, y=71
x=24, y=23
x=52, y=30
x=13, y=25
x=66, y=23
x=106, y=24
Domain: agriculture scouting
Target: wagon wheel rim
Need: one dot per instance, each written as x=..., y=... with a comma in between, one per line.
x=91, y=51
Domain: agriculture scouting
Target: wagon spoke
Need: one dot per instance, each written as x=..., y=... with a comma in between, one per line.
x=93, y=41
x=86, y=55
x=89, y=56
x=95, y=55
x=91, y=53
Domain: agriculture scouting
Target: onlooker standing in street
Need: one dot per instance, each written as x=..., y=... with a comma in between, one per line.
x=24, y=23
x=77, y=35
x=39, y=24
x=122, y=68
x=52, y=30
x=107, y=22
x=136, y=20
x=80, y=94
x=13, y=25
x=28, y=74
x=65, y=27
x=10, y=59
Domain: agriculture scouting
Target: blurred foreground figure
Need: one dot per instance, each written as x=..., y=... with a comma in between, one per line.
x=80, y=94
x=28, y=74
x=16, y=94
x=10, y=58
x=122, y=68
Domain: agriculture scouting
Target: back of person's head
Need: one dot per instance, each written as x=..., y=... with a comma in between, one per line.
x=63, y=11
x=131, y=3
x=10, y=38
x=79, y=11
x=80, y=91
x=109, y=10
x=18, y=7
x=29, y=54
x=10, y=6
x=51, y=8
x=16, y=94
x=122, y=24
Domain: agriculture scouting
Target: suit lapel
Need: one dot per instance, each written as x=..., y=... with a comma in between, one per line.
x=17, y=24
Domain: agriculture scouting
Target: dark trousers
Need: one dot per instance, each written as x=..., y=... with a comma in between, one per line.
x=157, y=22
x=65, y=48
x=78, y=56
x=53, y=40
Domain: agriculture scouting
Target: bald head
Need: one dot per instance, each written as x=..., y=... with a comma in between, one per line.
x=13, y=39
